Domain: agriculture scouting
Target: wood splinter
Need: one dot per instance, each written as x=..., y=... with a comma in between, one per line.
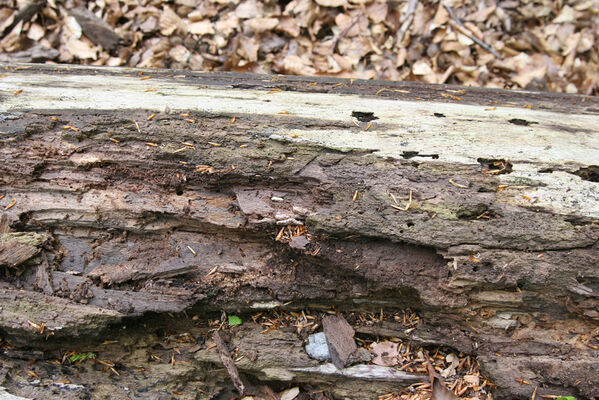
x=225, y=357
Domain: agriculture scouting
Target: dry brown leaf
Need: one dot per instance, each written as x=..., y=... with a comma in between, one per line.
x=227, y=25
x=149, y=25
x=201, y=28
x=331, y=3
x=295, y=65
x=566, y=15
x=377, y=12
x=7, y=16
x=170, y=22
x=249, y=9
x=36, y=32
x=179, y=53
x=12, y=42
x=81, y=49
x=288, y=25
x=248, y=48
x=386, y=354
x=421, y=68
x=259, y=25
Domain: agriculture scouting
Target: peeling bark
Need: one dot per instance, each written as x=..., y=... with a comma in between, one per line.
x=216, y=192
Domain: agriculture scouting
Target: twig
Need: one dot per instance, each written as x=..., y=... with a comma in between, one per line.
x=225, y=357
x=407, y=21
x=343, y=33
x=460, y=26
x=407, y=207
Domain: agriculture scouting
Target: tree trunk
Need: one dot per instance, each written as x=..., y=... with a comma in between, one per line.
x=134, y=199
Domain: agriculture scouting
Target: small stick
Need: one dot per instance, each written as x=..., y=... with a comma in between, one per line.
x=460, y=26
x=225, y=357
x=407, y=21
x=343, y=33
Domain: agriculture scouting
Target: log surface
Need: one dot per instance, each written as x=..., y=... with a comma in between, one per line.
x=155, y=191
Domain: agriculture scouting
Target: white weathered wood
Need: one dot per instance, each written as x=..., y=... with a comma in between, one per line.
x=468, y=132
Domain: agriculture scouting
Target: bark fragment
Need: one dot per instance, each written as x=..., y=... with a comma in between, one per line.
x=340, y=339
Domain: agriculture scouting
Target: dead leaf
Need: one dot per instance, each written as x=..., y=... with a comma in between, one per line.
x=81, y=49
x=421, y=68
x=36, y=32
x=201, y=28
x=331, y=3
x=248, y=48
x=386, y=354
x=249, y=9
x=170, y=22
x=258, y=25
x=377, y=12
x=288, y=25
x=295, y=65
x=453, y=361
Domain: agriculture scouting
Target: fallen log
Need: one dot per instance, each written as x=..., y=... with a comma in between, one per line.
x=134, y=194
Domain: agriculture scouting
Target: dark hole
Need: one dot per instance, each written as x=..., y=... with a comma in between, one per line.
x=410, y=224
x=545, y=170
x=518, y=121
x=409, y=154
x=475, y=268
x=179, y=191
x=363, y=116
x=439, y=115
x=590, y=173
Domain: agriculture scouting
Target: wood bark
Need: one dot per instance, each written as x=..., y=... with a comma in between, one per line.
x=137, y=194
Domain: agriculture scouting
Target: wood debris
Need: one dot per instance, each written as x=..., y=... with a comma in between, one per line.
x=228, y=362
x=340, y=339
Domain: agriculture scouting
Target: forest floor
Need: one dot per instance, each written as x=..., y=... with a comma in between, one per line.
x=530, y=44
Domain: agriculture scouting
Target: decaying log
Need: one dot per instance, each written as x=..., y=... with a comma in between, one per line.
x=154, y=194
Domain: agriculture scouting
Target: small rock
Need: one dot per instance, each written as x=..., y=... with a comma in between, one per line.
x=277, y=199
x=317, y=347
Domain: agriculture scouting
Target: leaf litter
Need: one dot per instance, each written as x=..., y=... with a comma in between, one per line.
x=530, y=44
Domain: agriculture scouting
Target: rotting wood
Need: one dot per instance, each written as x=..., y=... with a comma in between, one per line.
x=501, y=266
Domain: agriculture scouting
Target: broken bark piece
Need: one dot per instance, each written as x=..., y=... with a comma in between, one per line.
x=225, y=357
x=95, y=29
x=42, y=277
x=4, y=227
x=18, y=247
x=340, y=339
x=136, y=270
